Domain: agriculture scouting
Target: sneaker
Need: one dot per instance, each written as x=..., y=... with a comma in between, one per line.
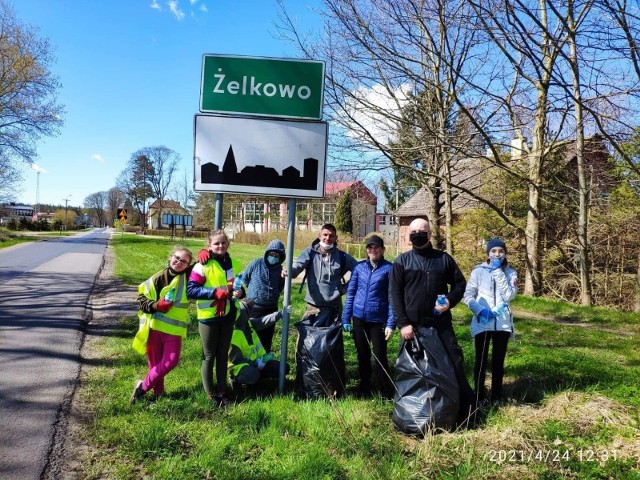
x=222, y=401
x=137, y=393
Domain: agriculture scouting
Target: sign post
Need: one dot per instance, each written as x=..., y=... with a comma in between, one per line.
x=278, y=154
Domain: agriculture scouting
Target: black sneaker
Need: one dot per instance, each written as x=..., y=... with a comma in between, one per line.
x=137, y=393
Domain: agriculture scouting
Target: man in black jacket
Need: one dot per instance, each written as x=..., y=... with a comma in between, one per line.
x=417, y=278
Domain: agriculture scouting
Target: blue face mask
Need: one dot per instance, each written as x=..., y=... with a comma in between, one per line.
x=273, y=260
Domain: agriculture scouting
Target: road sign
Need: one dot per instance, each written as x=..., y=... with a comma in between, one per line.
x=122, y=214
x=260, y=86
x=260, y=156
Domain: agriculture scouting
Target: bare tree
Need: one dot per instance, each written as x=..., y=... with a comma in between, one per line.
x=182, y=190
x=160, y=164
x=28, y=90
x=10, y=179
x=97, y=203
x=115, y=200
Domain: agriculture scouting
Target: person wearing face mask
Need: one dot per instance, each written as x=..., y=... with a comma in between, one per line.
x=418, y=277
x=264, y=281
x=164, y=315
x=492, y=286
x=325, y=266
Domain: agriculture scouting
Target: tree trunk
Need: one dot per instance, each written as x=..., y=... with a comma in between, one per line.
x=583, y=184
x=636, y=307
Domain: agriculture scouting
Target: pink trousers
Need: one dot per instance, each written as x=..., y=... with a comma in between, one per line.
x=163, y=354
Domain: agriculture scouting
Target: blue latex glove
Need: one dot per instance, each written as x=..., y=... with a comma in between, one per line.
x=268, y=357
x=346, y=327
x=496, y=263
x=485, y=315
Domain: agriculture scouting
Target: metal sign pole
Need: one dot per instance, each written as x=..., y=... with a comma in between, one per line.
x=287, y=294
x=218, y=218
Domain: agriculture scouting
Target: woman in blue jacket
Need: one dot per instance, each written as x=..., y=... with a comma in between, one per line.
x=367, y=302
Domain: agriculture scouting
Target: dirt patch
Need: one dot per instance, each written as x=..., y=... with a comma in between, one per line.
x=72, y=450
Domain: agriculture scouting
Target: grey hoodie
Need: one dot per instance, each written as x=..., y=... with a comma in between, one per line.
x=324, y=277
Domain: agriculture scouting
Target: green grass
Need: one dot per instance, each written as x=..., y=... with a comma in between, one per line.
x=571, y=378
x=9, y=238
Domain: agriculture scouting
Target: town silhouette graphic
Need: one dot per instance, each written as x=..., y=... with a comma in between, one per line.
x=259, y=175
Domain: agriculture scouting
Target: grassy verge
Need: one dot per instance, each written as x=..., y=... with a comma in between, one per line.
x=571, y=378
x=9, y=238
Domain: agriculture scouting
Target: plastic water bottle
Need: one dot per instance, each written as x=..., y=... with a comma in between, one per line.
x=170, y=296
x=237, y=283
x=441, y=300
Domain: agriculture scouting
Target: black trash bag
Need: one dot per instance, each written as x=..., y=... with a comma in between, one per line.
x=320, y=368
x=427, y=392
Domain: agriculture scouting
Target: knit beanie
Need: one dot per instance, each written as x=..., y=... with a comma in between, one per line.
x=496, y=242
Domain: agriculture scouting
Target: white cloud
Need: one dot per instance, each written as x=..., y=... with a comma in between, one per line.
x=96, y=157
x=37, y=168
x=374, y=109
x=174, y=7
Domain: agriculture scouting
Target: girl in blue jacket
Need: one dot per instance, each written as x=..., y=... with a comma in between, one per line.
x=490, y=289
x=367, y=302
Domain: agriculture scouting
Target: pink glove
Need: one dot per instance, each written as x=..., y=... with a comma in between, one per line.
x=163, y=306
x=203, y=256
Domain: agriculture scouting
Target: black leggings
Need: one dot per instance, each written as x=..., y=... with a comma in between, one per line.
x=363, y=334
x=498, y=354
x=216, y=340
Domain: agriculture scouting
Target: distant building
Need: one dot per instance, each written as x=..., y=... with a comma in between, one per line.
x=386, y=225
x=15, y=211
x=262, y=216
x=158, y=208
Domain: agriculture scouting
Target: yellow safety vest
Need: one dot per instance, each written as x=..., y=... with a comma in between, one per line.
x=174, y=322
x=216, y=277
x=250, y=351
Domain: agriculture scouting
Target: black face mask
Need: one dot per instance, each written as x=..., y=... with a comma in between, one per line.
x=419, y=239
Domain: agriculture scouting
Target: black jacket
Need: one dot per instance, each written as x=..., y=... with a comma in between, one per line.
x=417, y=278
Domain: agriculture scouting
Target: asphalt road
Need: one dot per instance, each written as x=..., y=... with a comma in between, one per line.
x=44, y=288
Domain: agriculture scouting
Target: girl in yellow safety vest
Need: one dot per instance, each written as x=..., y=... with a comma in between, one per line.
x=164, y=316
x=212, y=287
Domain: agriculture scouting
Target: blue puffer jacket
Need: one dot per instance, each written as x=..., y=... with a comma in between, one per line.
x=264, y=282
x=368, y=294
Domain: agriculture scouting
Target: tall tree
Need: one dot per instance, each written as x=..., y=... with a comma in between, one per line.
x=28, y=91
x=96, y=203
x=10, y=179
x=159, y=163
x=115, y=200
x=344, y=219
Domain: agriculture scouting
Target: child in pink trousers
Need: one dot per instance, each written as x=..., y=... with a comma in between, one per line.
x=164, y=314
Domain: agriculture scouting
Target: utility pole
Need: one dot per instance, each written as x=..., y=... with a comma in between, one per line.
x=66, y=219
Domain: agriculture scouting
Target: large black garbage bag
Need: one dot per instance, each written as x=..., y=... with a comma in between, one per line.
x=320, y=369
x=427, y=393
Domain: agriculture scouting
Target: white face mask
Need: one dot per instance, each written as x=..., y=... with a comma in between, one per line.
x=326, y=246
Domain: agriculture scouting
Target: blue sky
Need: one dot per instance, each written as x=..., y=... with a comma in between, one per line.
x=130, y=73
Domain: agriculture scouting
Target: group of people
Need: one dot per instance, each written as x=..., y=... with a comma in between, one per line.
x=235, y=324
x=417, y=290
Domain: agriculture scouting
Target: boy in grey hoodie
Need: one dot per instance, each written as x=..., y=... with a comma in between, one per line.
x=325, y=265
